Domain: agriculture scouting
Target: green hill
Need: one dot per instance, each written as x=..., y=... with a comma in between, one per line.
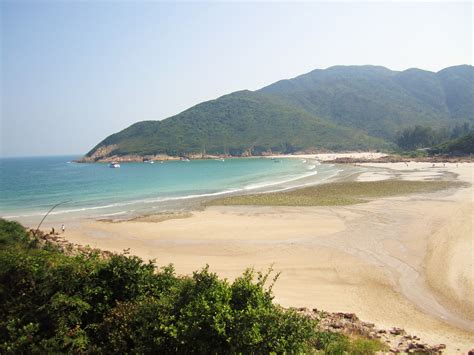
x=458, y=85
x=339, y=108
x=380, y=101
x=237, y=123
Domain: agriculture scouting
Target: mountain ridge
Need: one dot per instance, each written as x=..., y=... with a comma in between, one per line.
x=338, y=108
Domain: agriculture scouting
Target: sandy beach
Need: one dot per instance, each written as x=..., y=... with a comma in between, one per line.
x=332, y=156
x=403, y=261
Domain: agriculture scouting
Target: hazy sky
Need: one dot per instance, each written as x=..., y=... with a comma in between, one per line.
x=75, y=72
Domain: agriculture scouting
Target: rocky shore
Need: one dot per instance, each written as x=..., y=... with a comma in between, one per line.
x=142, y=158
x=396, y=339
x=66, y=247
x=103, y=156
x=106, y=154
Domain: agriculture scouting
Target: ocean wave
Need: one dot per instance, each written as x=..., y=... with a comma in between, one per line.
x=307, y=184
x=273, y=183
x=128, y=203
x=113, y=214
x=256, y=186
x=82, y=209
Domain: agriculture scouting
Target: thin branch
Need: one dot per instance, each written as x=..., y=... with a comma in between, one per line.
x=46, y=215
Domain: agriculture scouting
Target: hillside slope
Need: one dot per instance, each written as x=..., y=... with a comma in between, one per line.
x=240, y=123
x=339, y=108
x=380, y=101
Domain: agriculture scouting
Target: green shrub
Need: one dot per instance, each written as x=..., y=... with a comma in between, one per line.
x=332, y=343
x=51, y=302
x=12, y=233
x=361, y=346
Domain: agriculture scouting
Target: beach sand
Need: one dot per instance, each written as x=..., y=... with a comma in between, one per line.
x=332, y=156
x=400, y=261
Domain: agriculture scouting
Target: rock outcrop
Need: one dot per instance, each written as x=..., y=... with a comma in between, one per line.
x=396, y=339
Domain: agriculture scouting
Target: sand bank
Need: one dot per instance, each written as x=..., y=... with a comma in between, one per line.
x=331, y=156
x=399, y=261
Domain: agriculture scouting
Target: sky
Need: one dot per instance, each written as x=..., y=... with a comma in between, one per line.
x=75, y=72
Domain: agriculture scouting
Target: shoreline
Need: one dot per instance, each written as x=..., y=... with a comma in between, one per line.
x=346, y=157
x=395, y=340
x=373, y=259
x=186, y=200
x=380, y=259
x=133, y=158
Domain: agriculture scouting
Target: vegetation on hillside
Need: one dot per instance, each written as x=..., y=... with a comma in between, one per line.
x=418, y=137
x=460, y=146
x=51, y=302
x=425, y=136
x=340, y=108
x=381, y=101
x=240, y=123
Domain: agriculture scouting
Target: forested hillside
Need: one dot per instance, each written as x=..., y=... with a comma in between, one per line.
x=381, y=101
x=340, y=108
x=460, y=146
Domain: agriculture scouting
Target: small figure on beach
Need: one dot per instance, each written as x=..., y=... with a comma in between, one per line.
x=52, y=230
x=63, y=228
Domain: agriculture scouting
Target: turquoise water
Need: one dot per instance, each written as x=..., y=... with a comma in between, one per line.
x=30, y=186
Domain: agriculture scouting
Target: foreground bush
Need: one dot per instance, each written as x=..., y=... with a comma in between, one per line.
x=54, y=303
x=51, y=302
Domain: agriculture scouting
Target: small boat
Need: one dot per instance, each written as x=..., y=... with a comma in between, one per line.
x=114, y=164
x=147, y=161
x=220, y=159
x=185, y=159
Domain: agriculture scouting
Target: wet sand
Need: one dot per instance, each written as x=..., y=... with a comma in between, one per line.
x=399, y=261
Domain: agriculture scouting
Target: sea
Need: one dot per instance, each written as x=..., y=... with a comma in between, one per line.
x=30, y=187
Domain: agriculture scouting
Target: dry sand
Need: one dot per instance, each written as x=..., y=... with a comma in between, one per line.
x=403, y=261
x=332, y=156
